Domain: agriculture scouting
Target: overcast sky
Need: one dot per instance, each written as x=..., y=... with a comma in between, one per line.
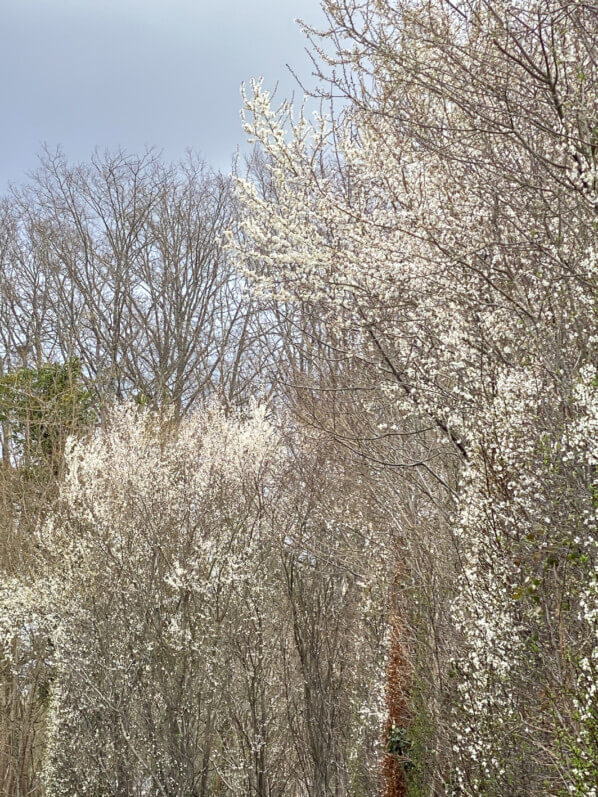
x=131, y=73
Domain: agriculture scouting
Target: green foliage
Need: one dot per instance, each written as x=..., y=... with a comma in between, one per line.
x=399, y=745
x=40, y=407
x=411, y=745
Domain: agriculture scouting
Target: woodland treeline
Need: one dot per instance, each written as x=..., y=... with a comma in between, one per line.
x=299, y=490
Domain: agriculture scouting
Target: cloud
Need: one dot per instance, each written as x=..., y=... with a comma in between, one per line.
x=87, y=73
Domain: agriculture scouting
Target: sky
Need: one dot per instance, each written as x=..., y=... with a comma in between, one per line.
x=82, y=74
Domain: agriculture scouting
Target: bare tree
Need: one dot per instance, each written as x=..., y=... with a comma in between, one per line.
x=121, y=263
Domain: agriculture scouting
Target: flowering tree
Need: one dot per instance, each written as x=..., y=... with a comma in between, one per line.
x=444, y=229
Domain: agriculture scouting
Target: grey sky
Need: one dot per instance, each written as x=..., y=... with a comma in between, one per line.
x=131, y=73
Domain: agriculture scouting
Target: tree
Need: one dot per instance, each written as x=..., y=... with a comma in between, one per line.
x=120, y=263
x=39, y=409
x=444, y=230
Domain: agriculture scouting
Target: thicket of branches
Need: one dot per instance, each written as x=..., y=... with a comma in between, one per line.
x=341, y=536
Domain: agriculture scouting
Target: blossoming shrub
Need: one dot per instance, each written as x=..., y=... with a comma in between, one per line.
x=209, y=627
